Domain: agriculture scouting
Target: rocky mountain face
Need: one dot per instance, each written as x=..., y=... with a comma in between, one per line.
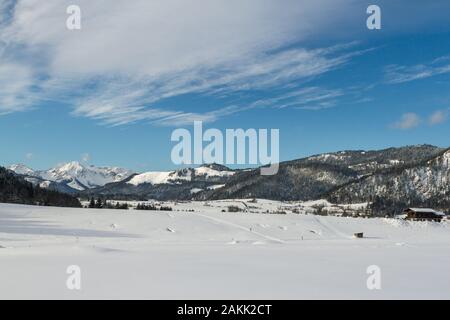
x=366, y=162
x=314, y=177
x=425, y=183
x=294, y=181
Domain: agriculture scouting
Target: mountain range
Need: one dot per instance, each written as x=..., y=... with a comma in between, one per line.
x=78, y=179
x=396, y=176
x=181, y=184
x=72, y=177
x=15, y=189
x=314, y=177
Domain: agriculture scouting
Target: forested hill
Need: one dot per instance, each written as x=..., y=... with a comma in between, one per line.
x=14, y=189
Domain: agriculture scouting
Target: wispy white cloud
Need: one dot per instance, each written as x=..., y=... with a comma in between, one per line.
x=438, y=117
x=407, y=121
x=6, y=7
x=307, y=98
x=395, y=74
x=85, y=157
x=131, y=56
x=412, y=120
x=128, y=100
x=16, y=83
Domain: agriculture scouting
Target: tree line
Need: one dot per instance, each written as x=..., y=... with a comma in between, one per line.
x=15, y=189
x=104, y=204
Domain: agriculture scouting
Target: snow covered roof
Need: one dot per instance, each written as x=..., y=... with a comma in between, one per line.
x=422, y=210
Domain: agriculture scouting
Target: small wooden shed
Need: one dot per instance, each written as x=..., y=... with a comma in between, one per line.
x=423, y=214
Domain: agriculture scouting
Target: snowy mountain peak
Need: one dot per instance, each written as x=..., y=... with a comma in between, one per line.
x=76, y=175
x=73, y=166
x=21, y=169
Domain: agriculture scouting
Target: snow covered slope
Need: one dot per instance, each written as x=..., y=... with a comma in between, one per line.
x=74, y=175
x=22, y=169
x=199, y=252
x=205, y=172
x=180, y=184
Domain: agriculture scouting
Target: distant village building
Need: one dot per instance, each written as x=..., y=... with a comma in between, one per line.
x=358, y=235
x=423, y=214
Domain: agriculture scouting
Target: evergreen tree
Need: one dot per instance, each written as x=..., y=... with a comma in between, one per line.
x=92, y=203
x=99, y=203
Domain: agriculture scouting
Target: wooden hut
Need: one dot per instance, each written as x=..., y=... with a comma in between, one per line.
x=423, y=214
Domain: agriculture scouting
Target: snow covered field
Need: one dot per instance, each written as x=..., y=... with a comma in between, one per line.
x=210, y=254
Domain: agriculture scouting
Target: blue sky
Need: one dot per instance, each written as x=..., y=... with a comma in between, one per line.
x=113, y=92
